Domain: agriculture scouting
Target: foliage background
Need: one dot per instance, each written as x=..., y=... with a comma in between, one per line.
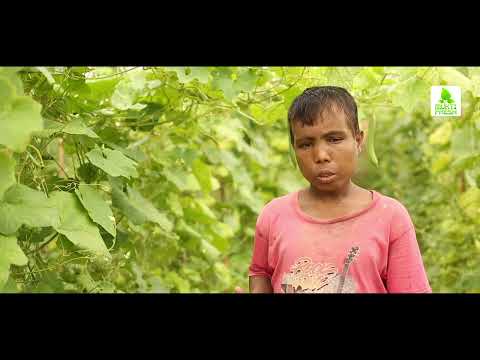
x=151, y=179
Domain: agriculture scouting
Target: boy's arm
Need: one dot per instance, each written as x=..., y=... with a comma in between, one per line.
x=405, y=269
x=260, y=285
x=260, y=271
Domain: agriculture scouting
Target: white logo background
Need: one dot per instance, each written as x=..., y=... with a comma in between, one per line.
x=456, y=93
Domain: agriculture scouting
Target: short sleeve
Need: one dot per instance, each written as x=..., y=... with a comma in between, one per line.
x=259, y=263
x=405, y=270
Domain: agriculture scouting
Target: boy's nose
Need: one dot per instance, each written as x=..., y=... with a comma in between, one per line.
x=321, y=154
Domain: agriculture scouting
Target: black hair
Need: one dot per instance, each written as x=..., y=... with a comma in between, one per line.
x=313, y=101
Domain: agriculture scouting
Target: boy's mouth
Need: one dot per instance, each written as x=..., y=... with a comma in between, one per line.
x=325, y=177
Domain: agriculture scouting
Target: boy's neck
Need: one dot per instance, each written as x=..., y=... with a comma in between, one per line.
x=333, y=205
x=334, y=197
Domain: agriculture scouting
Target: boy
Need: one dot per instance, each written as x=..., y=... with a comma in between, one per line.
x=333, y=237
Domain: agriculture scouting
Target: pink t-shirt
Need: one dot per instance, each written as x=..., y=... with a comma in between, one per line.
x=373, y=250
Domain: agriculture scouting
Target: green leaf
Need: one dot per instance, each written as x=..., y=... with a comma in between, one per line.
x=113, y=162
x=257, y=112
x=290, y=181
x=223, y=274
x=455, y=78
x=280, y=143
x=136, y=207
x=102, y=89
x=203, y=174
x=47, y=74
x=137, y=79
x=463, y=142
x=411, y=95
x=97, y=208
x=232, y=219
x=226, y=85
x=7, y=171
x=239, y=173
x=77, y=127
x=291, y=154
x=173, y=202
x=22, y=205
x=50, y=128
x=269, y=115
x=10, y=253
x=466, y=162
x=19, y=122
x=181, y=284
x=134, y=154
x=181, y=74
x=441, y=162
x=371, y=140
x=367, y=78
x=245, y=81
x=10, y=85
x=221, y=235
x=123, y=96
x=7, y=90
x=188, y=74
x=198, y=211
x=10, y=286
x=442, y=134
x=470, y=202
x=186, y=230
x=264, y=76
x=290, y=95
x=249, y=117
x=209, y=250
x=76, y=225
x=251, y=199
x=200, y=73
x=35, y=234
x=183, y=180
x=85, y=281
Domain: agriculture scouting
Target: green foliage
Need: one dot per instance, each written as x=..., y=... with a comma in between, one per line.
x=7, y=176
x=97, y=208
x=77, y=127
x=22, y=205
x=10, y=253
x=113, y=162
x=75, y=224
x=18, y=120
x=151, y=179
x=137, y=208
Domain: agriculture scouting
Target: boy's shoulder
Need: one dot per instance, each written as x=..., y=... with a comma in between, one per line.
x=388, y=202
x=279, y=204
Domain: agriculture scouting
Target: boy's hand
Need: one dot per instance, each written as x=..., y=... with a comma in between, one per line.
x=239, y=290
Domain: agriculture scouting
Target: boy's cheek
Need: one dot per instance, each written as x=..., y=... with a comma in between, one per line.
x=306, y=172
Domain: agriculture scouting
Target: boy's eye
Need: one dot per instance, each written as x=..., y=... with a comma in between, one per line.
x=304, y=146
x=335, y=140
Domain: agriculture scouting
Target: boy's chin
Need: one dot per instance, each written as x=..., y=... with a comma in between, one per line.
x=328, y=186
x=332, y=187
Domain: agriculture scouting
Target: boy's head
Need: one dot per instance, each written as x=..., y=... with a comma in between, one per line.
x=325, y=135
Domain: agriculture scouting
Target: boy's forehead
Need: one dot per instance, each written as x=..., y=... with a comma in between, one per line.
x=324, y=122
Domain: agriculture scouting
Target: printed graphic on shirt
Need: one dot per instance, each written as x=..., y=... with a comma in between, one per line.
x=305, y=276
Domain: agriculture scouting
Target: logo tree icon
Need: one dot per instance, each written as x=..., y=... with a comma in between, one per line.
x=446, y=97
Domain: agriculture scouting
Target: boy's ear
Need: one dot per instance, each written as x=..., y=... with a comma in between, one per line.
x=360, y=138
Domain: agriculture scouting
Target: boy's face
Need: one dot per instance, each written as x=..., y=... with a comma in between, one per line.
x=327, y=152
